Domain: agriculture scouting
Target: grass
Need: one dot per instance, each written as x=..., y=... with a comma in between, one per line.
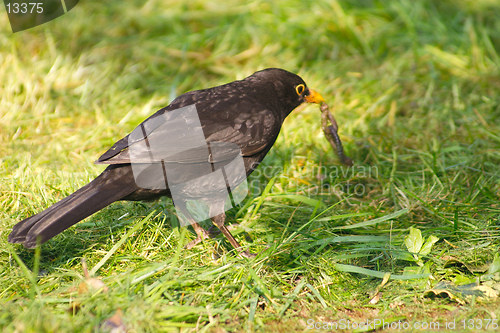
x=414, y=87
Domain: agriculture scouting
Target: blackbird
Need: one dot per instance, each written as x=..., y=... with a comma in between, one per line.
x=240, y=119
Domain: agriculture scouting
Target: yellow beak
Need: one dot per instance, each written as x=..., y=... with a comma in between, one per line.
x=314, y=97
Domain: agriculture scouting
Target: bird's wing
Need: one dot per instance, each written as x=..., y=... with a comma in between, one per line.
x=224, y=134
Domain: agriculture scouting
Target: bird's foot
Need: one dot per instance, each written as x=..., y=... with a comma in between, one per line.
x=201, y=236
x=246, y=254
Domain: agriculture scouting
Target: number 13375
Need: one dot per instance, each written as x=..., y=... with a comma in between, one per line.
x=25, y=7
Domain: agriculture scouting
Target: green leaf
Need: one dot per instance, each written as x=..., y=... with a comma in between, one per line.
x=495, y=265
x=350, y=239
x=426, y=248
x=414, y=240
x=375, y=221
x=463, y=279
x=412, y=270
x=403, y=255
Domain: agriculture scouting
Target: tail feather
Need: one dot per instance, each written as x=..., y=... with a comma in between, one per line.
x=113, y=184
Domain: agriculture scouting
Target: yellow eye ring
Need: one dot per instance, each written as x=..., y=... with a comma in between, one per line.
x=300, y=89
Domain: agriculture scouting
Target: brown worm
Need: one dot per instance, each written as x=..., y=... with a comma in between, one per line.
x=331, y=133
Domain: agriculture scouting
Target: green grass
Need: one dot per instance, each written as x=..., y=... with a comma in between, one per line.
x=415, y=89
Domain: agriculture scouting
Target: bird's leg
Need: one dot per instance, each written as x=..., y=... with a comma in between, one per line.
x=202, y=234
x=214, y=231
x=218, y=220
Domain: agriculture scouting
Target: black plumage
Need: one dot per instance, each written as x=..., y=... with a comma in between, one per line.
x=246, y=114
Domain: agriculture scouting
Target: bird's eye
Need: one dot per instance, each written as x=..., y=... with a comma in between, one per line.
x=300, y=89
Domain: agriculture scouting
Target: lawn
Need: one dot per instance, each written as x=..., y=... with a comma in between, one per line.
x=409, y=235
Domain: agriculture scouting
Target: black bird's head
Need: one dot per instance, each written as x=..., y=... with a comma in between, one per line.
x=287, y=88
